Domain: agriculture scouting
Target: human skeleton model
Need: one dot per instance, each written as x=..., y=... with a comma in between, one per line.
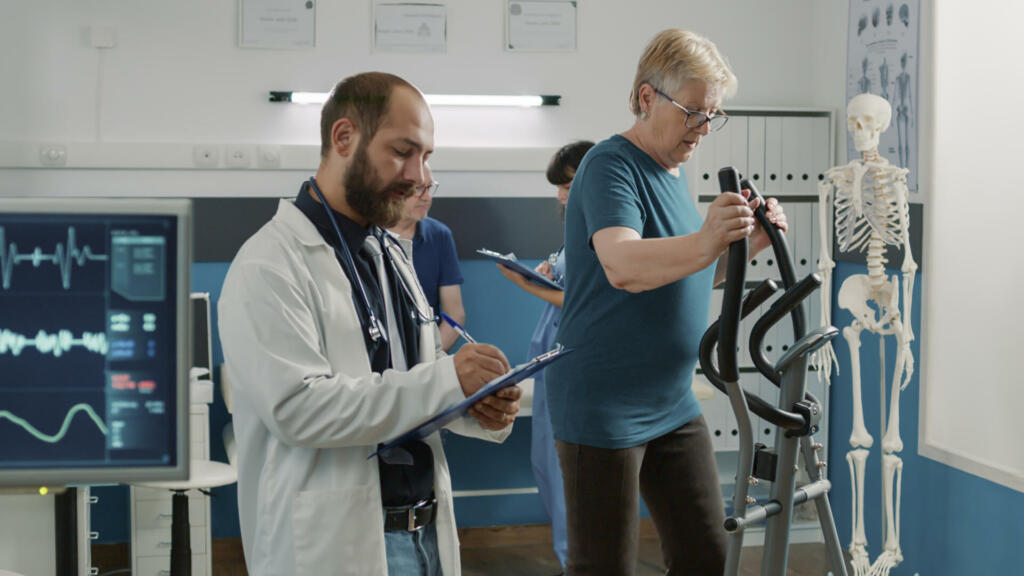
x=871, y=211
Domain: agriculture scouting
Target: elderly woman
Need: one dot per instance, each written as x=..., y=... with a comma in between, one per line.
x=640, y=265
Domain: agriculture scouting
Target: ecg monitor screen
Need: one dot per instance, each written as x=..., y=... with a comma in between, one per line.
x=93, y=325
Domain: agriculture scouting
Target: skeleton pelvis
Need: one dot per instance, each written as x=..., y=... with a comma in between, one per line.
x=856, y=293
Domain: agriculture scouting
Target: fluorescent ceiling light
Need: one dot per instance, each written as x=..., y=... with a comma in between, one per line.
x=307, y=97
x=434, y=99
x=482, y=100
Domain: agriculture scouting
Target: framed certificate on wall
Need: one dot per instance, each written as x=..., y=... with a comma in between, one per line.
x=277, y=24
x=540, y=25
x=410, y=27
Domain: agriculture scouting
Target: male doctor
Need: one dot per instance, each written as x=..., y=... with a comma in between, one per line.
x=331, y=350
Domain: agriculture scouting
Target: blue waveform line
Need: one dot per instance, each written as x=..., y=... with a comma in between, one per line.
x=62, y=257
x=56, y=344
x=54, y=438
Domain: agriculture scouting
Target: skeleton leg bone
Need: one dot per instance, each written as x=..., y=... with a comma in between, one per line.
x=859, y=559
x=892, y=442
x=892, y=555
x=859, y=436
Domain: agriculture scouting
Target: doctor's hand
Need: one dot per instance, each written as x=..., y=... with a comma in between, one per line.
x=498, y=410
x=478, y=364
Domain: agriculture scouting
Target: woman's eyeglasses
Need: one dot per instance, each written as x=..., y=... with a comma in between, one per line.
x=697, y=119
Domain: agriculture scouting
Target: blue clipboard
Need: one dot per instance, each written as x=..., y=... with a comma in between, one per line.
x=514, y=376
x=509, y=261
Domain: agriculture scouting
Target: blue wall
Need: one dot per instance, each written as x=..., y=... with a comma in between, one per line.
x=497, y=312
x=952, y=522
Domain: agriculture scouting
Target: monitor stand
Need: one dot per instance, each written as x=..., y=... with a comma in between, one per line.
x=65, y=509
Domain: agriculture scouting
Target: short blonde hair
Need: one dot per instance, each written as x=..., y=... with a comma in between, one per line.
x=675, y=56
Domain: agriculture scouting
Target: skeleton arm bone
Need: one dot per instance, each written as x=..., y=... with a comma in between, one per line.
x=824, y=359
x=909, y=272
x=909, y=267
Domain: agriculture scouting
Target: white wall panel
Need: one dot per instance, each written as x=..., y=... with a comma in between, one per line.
x=971, y=331
x=773, y=156
x=755, y=150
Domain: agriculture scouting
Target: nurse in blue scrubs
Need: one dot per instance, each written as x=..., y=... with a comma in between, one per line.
x=560, y=172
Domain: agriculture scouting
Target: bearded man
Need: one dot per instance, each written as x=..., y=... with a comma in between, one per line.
x=331, y=350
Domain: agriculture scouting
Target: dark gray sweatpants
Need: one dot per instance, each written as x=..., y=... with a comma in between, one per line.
x=678, y=478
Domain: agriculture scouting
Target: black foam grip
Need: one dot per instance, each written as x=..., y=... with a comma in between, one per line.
x=779, y=244
x=781, y=249
x=729, y=323
x=781, y=418
x=758, y=295
x=788, y=303
x=753, y=299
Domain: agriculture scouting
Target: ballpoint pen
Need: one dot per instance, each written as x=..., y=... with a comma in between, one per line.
x=458, y=328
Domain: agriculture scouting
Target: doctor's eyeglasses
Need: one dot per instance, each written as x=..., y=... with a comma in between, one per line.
x=419, y=191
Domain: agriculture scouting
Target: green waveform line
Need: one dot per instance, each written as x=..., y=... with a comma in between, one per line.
x=53, y=439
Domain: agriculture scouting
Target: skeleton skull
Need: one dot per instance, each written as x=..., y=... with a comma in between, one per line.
x=867, y=116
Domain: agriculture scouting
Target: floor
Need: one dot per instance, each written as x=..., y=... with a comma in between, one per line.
x=504, y=551
x=526, y=551
x=805, y=560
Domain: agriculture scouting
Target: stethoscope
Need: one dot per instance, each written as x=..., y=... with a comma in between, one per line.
x=553, y=261
x=376, y=329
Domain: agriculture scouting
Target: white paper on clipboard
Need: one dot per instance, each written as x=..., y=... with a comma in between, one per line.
x=459, y=409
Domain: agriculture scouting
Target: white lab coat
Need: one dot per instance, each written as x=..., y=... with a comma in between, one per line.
x=308, y=410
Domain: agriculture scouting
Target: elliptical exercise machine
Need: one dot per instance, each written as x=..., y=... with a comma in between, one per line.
x=796, y=416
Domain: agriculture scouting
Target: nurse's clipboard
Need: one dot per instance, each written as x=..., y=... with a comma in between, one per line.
x=509, y=261
x=514, y=376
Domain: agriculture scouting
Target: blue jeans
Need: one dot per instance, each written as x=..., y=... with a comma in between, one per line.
x=413, y=553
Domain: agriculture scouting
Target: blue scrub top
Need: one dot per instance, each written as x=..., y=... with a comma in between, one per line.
x=435, y=259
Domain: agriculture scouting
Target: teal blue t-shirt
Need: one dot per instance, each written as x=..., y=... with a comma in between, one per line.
x=629, y=379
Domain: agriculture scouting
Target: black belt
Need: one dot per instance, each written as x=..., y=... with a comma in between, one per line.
x=410, y=518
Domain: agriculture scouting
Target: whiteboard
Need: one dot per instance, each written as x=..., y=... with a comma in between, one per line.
x=972, y=380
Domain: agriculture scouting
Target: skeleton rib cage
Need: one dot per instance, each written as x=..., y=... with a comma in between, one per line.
x=869, y=208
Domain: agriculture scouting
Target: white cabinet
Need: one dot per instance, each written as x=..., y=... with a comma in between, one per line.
x=784, y=153
x=151, y=514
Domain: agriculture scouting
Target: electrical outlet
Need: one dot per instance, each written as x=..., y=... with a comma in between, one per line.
x=269, y=157
x=53, y=155
x=237, y=156
x=102, y=37
x=206, y=156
